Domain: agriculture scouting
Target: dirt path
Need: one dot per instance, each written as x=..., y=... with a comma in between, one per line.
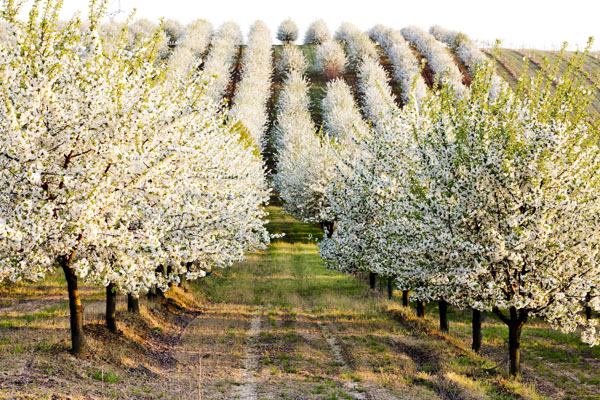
x=353, y=387
x=248, y=389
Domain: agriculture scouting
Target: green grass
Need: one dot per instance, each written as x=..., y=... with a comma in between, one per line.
x=289, y=274
x=109, y=376
x=15, y=321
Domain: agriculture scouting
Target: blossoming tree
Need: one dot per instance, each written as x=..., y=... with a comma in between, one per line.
x=108, y=172
x=503, y=193
x=250, y=101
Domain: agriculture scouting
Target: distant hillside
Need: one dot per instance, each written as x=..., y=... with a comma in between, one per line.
x=510, y=65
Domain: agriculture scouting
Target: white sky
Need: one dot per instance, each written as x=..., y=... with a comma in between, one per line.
x=518, y=23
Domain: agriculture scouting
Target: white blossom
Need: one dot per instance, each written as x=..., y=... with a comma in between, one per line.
x=358, y=45
x=291, y=59
x=174, y=31
x=438, y=57
x=191, y=46
x=405, y=64
x=305, y=162
x=287, y=32
x=468, y=53
x=252, y=95
x=218, y=64
x=341, y=116
x=317, y=33
x=378, y=102
x=330, y=59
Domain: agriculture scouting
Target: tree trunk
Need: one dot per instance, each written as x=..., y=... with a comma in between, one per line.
x=420, y=309
x=476, y=324
x=588, y=309
x=183, y=283
x=372, y=280
x=443, y=308
x=151, y=293
x=515, y=323
x=111, y=307
x=405, y=298
x=514, y=347
x=390, y=287
x=133, y=304
x=328, y=228
x=75, y=309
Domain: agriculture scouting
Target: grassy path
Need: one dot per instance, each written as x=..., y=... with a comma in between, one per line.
x=279, y=334
x=281, y=326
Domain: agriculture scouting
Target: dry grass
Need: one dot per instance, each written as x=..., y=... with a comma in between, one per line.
x=135, y=363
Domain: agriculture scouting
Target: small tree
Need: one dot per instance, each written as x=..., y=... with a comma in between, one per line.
x=224, y=47
x=305, y=161
x=254, y=89
x=291, y=59
x=317, y=33
x=287, y=32
x=331, y=59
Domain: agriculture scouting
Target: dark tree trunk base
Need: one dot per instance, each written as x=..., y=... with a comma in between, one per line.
x=111, y=307
x=390, y=288
x=420, y=309
x=327, y=227
x=405, y=298
x=151, y=295
x=443, y=308
x=78, y=346
x=476, y=326
x=515, y=322
x=372, y=280
x=133, y=304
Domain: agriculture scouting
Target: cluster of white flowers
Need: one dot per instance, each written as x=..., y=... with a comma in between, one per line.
x=468, y=53
x=3, y=31
x=358, y=45
x=143, y=29
x=305, y=162
x=317, y=33
x=341, y=116
x=378, y=102
x=287, y=32
x=438, y=57
x=140, y=30
x=224, y=47
x=108, y=169
x=330, y=59
x=373, y=82
x=347, y=208
x=359, y=204
x=405, y=63
x=174, y=31
x=250, y=101
x=190, y=47
x=291, y=59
